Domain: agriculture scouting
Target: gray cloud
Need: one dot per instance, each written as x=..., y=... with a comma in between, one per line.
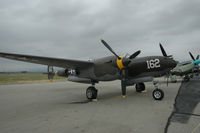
x=72, y=28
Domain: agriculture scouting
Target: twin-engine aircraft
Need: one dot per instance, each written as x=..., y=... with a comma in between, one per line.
x=130, y=70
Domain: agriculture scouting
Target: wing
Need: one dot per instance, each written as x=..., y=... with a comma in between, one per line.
x=64, y=63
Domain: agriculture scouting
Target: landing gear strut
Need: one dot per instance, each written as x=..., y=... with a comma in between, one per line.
x=91, y=93
x=157, y=94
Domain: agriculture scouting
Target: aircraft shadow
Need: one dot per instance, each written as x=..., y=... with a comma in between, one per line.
x=186, y=101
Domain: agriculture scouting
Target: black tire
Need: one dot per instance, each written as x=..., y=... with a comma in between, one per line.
x=140, y=87
x=158, y=94
x=91, y=93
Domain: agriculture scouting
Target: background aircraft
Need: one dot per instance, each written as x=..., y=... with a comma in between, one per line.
x=130, y=70
x=186, y=69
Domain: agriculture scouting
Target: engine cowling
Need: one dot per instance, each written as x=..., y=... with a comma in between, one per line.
x=79, y=80
x=63, y=73
x=138, y=80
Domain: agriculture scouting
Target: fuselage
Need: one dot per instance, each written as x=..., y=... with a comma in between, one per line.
x=105, y=69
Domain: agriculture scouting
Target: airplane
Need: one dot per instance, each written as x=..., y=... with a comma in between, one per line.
x=186, y=69
x=130, y=70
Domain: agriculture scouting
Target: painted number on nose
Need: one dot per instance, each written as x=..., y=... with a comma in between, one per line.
x=154, y=63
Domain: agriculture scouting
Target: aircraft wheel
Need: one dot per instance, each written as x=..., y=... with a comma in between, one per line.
x=158, y=94
x=140, y=87
x=91, y=93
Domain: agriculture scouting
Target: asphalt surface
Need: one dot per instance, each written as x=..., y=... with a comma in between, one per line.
x=185, y=117
x=62, y=107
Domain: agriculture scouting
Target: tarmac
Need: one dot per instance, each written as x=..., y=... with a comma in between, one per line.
x=185, y=117
x=62, y=107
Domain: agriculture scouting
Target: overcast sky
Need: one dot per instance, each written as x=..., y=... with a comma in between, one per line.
x=72, y=28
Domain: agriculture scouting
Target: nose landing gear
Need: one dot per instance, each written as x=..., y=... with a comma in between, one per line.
x=157, y=94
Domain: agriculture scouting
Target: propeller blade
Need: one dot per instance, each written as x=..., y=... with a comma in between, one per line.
x=191, y=56
x=135, y=54
x=123, y=83
x=197, y=57
x=109, y=48
x=162, y=50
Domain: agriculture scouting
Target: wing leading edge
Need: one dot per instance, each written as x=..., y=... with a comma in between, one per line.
x=58, y=62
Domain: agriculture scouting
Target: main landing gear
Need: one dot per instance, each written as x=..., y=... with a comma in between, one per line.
x=91, y=93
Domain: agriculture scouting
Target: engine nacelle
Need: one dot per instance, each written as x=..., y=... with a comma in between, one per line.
x=63, y=73
x=138, y=80
x=67, y=72
x=79, y=80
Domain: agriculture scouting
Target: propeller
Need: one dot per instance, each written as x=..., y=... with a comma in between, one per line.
x=165, y=55
x=135, y=54
x=163, y=51
x=122, y=63
x=197, y=57
x=196, y=61
x=109, y=48
x=123, y=83
x=192, y=56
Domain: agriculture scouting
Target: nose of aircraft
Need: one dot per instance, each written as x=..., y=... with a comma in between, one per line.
x=173, y=63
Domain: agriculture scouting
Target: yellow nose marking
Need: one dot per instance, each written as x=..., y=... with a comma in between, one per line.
x=119, y=63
